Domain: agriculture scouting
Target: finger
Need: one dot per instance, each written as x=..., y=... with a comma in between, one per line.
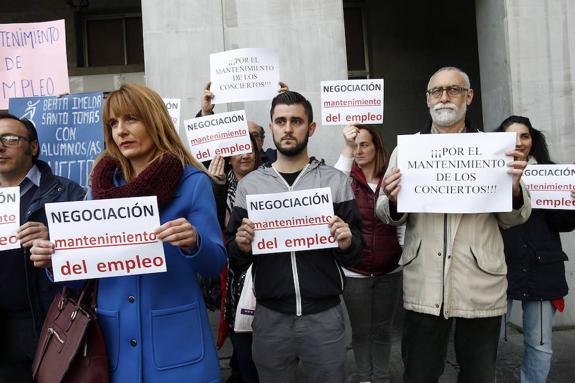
x=208, y=85
x=161, y=231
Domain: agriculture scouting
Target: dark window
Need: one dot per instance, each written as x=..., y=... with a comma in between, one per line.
x=113, y=40
x=355, y=41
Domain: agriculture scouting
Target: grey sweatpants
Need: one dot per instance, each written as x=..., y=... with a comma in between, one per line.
x=280, y=341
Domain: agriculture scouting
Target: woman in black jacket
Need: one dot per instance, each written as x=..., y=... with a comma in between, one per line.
x=535, y=261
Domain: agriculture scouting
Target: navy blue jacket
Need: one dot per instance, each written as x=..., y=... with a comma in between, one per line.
x=535, y=259
x=40, y=290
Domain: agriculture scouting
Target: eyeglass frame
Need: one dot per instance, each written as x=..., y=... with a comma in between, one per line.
x=3, y=143
x=458, y=89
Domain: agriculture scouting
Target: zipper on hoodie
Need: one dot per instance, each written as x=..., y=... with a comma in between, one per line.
x=298, y=310
x=442, y=306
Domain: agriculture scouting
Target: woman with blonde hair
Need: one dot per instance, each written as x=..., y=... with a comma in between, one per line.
x=155, y=325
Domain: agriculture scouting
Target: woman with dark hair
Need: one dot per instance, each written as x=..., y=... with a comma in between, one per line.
x=241, y=165
x=373, y=288
x=155, y=325
x=535, y=261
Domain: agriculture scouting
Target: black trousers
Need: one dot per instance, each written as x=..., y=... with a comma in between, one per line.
x=424, y=347
x=17, y=348
x=242, y=342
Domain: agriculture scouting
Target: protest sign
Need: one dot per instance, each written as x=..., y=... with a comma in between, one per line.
x=352, y=101
x=69, y=131
x=105, y=238
x=33, y=60
x=247, y=74
x=550, y=186
x=173, y=106
x=455, y=173
x=292, y=221
x=9, y=218
x=224, y=134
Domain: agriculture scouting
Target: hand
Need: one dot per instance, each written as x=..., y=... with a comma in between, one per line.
x=341, y=232
x=245, y=235
x=178, y=232
x=349, y=134
x=30, y=231
x=573, y=194
x=283, y=87
x=41, y=253
x=207, y=106
x=516, y=169
x=391, y=185
x=216, y=170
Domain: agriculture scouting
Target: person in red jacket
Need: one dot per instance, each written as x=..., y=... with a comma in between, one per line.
x=374, y=286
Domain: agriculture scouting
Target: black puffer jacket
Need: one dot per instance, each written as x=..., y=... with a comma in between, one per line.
x=535, y=258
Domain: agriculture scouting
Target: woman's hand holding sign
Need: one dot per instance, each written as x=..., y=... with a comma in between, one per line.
x=245, y=236
x=41, y=253
x=178, y=232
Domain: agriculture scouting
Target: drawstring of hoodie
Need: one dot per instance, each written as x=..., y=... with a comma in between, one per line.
x=541, y=322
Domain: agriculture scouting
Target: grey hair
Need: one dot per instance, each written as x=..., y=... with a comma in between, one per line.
x=453, y=68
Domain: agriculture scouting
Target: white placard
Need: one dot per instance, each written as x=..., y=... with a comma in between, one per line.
x=105, y=238
x=455, y=173
x=174, y=110
x=291, y=221
x=9, y=217
x=224, y=134
x=550, y=186
x=247, y=74
x=352, y=101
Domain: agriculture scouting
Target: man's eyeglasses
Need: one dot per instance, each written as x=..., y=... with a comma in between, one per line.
x=452, y=91
x=12, y=139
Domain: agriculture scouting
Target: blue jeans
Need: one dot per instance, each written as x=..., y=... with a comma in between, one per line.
x=371, y=304
x=537, y=339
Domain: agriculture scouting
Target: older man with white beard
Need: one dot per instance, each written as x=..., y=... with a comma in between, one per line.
x=454, y=264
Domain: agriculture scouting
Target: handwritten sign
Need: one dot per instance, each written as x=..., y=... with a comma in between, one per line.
x=292, y=221
x=69, y=131
x=174, y=110
x=9, y=217
x=550, y=186
x=248, y=74
x=224, y=134
x=352, y=101
x=32, y=60
x=105, y=238
x=455, y=173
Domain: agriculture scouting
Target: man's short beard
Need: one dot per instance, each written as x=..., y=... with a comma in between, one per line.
x=447, y=117
x=293, y=151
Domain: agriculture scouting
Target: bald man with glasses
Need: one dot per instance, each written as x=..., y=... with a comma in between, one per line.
x=454, y=272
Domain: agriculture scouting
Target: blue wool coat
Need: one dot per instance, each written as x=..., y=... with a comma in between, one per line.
x=155, y=325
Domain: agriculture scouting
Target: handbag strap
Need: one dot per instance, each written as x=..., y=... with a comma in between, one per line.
x=89, y=295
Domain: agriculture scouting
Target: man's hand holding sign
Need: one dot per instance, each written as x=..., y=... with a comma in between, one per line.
x=455, y=174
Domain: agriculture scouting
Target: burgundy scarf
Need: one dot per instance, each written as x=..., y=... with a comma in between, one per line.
x=160, y=178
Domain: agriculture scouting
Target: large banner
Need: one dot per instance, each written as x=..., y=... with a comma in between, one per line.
x=550, y=186
x=291, y=221
x=455, y=173
x=69, y=131
x=352, y=101
x=248, y=74
x=224, y=134
x=33, y=60
x=105, y=238
x=9, y=217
